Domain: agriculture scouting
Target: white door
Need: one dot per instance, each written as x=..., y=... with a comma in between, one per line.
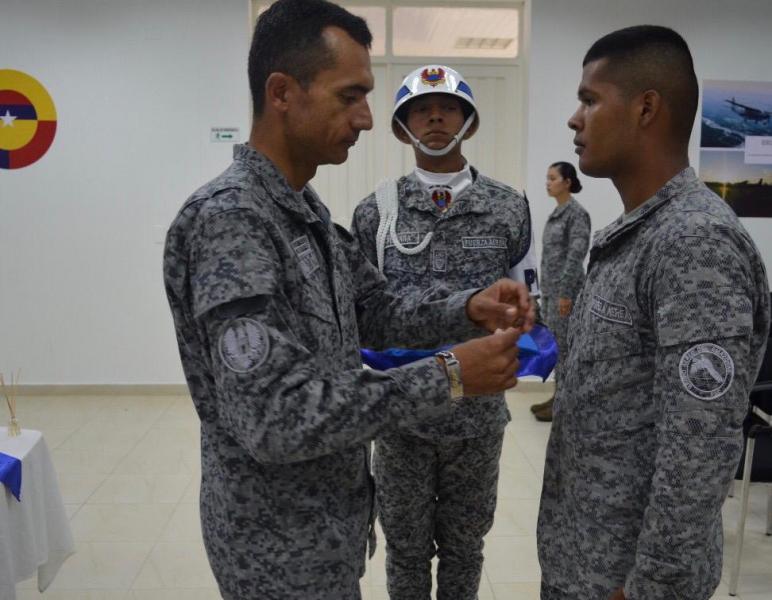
x=493, y=150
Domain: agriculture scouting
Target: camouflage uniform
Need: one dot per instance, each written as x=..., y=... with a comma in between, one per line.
x=565, y=242
x=436, y=482
x=664, y=344
x=269, y=300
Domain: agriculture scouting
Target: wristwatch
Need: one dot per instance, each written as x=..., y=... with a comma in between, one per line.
x=453, y=371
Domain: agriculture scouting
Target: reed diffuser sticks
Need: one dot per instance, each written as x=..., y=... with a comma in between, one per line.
x=10, y=397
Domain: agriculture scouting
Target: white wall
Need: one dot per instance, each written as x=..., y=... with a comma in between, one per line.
x=729, y=40
x=137, y=84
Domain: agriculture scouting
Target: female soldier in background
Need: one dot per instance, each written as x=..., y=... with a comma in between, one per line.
x=566, y=240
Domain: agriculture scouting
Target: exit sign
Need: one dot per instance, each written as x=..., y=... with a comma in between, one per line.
x=225, y=134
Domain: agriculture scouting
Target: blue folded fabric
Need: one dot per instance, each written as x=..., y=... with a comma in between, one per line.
x=538, y=354
x=10, y=474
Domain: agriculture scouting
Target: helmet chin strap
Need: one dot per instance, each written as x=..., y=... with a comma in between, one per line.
x=442, y=151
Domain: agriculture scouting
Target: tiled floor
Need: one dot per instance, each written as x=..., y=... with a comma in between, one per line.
x=128, y=469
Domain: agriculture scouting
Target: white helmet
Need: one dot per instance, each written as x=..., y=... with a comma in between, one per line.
x=434, y=79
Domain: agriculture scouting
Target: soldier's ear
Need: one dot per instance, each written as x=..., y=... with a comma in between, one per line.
x=649, y=105
x=278, y=91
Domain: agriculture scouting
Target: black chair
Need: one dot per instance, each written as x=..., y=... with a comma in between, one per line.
x=756, y=462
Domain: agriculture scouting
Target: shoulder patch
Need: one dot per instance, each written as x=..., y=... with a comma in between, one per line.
x=707, y=371
x=244, y=345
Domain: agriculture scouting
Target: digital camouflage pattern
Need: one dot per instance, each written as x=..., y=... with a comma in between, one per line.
x=443, y=492
x=436, y=480
x=269, y=300
x=664, y=344
x=565, y=242
x=484, y=233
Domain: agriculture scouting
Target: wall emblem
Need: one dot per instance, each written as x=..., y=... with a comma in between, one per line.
x=27, y=120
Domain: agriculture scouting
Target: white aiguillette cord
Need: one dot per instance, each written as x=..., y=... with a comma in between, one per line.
x=388, y=208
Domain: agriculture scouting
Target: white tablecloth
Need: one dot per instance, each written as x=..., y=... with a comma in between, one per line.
x=34, y=533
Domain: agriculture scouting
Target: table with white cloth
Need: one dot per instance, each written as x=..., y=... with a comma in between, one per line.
x=35, y=533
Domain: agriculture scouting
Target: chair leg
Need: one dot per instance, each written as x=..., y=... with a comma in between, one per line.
x=769, y=511
x=734, y=574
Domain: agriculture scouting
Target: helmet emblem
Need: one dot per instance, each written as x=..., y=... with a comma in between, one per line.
x=433, y=77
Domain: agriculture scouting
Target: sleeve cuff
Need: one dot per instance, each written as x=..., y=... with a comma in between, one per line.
x=457, y=320
x=424, y=391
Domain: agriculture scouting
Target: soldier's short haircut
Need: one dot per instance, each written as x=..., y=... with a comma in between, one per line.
x=648, y=57
x=288, y=39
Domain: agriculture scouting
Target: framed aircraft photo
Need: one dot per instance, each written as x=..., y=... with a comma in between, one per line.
x=736, y=144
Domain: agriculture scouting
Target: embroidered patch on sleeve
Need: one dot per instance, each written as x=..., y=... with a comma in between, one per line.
x=707, y=371
x=244, y=345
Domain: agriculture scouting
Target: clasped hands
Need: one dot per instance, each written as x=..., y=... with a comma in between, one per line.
x=489, y=364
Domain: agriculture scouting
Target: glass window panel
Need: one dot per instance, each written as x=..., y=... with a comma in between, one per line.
x=460, y=32
x=374, y=15
x=376, y=21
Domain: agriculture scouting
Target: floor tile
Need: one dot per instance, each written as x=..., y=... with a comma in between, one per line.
x=129, y=472
x=175, y=565
x=120, y=522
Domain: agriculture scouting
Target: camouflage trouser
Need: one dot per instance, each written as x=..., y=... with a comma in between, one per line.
x=435, y=497
x=553, y=593
x=558, y=326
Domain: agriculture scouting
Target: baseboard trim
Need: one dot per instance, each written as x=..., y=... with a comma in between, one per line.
x=526, y=386
x=101, y=389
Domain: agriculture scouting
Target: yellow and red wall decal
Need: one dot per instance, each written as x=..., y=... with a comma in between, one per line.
x=27, y=119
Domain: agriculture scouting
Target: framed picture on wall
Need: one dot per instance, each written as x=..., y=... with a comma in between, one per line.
x=736, y=144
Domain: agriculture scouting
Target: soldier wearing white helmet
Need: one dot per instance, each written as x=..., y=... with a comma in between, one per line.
x=443, y=226
x=435, y=80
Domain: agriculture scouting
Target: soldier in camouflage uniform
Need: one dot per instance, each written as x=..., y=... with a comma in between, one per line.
x=665, y=342
x=436, y=481
x=270, y=299
x=565, y=242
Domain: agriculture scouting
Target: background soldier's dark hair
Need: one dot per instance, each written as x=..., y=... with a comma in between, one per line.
x=648, y=57
x=567, y=171
x=288, y=39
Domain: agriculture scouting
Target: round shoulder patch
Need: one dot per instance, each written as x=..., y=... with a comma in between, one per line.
x=706, y=371
x=244, y=345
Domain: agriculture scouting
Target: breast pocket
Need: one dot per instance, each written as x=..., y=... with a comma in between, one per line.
x=616, y=375
x=479, y=261
x=554, y=234
x=395, y=261
x=318, y=324
x=614, y=358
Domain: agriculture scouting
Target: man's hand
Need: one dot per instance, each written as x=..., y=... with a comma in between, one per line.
x=564, y=306
x=488, y=364
x=618, y=595
x=505, y=304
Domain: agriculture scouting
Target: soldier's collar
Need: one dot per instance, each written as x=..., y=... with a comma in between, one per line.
x=274, y=182
x=413, y=195
x=633, y=219
x=560, y=209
